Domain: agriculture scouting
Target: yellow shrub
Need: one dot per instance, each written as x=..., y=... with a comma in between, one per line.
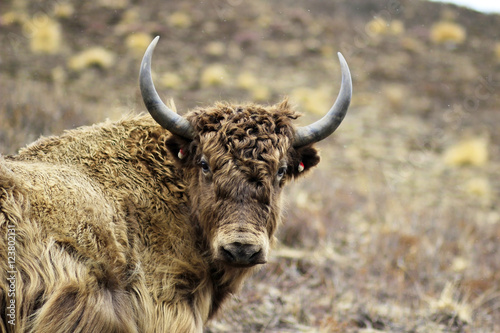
x=95, y=56
x=396, y=95
x=215, y=49
x=469, y=152
x=447, y=32
x=397, y=27
x=479, y=187
x=138, y=42
x=213, y=75
x=13, y=17
x=180, y=20
x=130, y=16
x=171, y=80
x=377, y=26
x=45, y=34
x=63, y=9
x=316, y=101
x=260, y=93
x=247, y=80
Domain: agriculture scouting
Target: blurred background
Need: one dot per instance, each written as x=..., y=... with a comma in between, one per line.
x=398, y=229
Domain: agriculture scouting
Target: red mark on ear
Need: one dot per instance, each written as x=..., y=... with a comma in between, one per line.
x=301, y=167
x=181, y=154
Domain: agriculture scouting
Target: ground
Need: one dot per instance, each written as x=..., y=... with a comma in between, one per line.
x=398, y=229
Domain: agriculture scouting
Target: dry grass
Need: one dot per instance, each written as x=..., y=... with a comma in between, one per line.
x=390, y=233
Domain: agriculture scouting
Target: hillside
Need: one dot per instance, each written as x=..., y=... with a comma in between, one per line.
x=398, y=229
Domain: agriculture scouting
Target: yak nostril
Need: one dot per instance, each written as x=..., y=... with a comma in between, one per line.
x=242, y=254
x=227, y=254
x=255, y=255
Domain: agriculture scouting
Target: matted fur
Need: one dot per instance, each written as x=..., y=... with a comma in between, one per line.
x=116, y=233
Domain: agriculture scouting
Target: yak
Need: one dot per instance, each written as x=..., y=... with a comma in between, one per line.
x=149, y=223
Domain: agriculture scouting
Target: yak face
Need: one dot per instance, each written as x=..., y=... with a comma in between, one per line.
x=237, y=159
x=237, y=165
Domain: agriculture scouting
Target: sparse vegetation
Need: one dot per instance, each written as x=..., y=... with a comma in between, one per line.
x=473, y=151
x=138, y=42
x=398, y=229
x=448, y=33
x=45, y=34
x=94, y=56
x=213, y=75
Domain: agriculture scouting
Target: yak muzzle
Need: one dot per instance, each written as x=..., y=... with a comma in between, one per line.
x=242, y=255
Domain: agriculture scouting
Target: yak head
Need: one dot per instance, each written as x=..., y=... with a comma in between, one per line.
x=237, y=159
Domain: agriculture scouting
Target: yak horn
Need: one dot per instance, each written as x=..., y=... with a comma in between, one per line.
x=161, y=113
x=328, y=124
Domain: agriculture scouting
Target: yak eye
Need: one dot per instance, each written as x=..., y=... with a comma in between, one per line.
x=204, y=166
x=281, y=172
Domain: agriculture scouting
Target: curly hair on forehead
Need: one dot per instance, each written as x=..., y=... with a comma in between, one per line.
x=248, y=131
x=241, y=120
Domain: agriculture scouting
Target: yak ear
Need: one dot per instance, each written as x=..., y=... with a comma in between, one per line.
x=303, y=159
x=181, y=149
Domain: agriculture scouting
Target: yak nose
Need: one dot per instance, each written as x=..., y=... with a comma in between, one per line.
x=239, y=254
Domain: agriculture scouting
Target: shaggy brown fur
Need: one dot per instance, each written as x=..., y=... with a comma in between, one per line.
x=113, y=232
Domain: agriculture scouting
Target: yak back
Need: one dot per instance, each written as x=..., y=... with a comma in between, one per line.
x=110, y=194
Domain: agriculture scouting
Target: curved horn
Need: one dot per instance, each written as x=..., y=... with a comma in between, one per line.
x=161, y=113
x=329, y=123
